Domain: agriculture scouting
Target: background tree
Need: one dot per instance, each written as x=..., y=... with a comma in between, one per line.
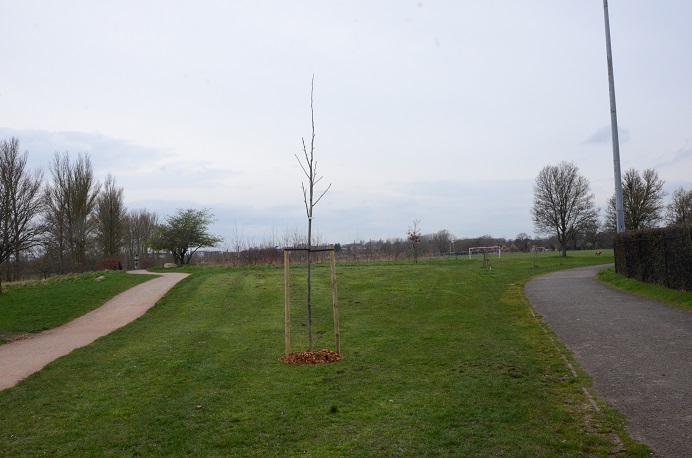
x=414, y=236
x=522, y=241
x=642, y=200
x=70, y=202
x=562, y=203
x=442, y=241
x=184, y=233
x=20, y=202
x=110, y=219
x=679, y=210
x=309, y=166
x=55, y=216
x=139, y=229
x=589, y=235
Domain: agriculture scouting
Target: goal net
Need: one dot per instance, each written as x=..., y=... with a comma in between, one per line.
x=485, y=249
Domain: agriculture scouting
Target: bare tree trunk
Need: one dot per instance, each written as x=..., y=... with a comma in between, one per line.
x=310, y=170
x=309, y=276
x=309, y=212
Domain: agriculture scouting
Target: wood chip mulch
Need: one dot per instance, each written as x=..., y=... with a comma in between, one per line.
x=311, y=357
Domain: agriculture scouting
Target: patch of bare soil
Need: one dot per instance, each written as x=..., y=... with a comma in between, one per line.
x=311, y=357
x=10, y=336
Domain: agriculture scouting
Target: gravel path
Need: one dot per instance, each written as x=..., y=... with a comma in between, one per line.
x=23, y=357
x=638, y=352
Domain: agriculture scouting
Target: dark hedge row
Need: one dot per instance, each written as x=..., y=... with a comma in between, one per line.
x=662, y=256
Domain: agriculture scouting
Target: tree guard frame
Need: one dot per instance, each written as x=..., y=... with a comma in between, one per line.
x=287, y=296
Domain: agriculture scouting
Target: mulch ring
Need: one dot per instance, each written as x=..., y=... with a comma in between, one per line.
x=311, y=357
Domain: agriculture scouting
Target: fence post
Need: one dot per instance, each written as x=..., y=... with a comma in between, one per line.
x=335, y=300
x=287, y=303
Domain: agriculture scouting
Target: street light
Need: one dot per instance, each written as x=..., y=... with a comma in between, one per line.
x=619, y=209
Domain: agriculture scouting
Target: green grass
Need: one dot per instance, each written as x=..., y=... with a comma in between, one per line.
x=440, y=358
x=39, y=305
x=677, y=298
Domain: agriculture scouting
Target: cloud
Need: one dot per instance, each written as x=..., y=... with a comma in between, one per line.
x=675, y=158
x=263, y=208
x=465, y=209
x=144, y=172
x=604, y=135
x=107, y=154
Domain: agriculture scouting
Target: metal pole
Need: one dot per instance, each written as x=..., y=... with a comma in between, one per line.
x=619, y=209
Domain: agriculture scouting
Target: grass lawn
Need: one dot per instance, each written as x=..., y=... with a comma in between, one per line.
x=682, y=299
x=35, y=306
x=440, y=358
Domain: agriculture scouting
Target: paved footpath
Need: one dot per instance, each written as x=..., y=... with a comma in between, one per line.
x=638, y=352
x=23, y=357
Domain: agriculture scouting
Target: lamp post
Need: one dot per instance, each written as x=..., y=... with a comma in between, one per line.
x=619, y=209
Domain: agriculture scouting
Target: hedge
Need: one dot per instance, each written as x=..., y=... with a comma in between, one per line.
x=662, y=256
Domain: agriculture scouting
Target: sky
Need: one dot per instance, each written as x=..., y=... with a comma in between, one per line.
x=442, y=112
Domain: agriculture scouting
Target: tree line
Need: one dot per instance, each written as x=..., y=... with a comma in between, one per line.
x=564, y=205
x=440, y=243
x=72, y=223
x=75, y=223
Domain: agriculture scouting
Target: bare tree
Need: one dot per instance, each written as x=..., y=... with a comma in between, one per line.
x=414, y=236
x=70, y=203
x=237, y=242
x=523, y=239
x=562, y=203
x=309, y=166
x=589, y=235
x=20, y=202
x=679, y=210
x=110, y=219
x=55, y=215
x=442, y=241
x=642, y=197
x=139, y=229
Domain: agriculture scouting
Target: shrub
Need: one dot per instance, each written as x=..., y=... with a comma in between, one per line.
x=112, y=263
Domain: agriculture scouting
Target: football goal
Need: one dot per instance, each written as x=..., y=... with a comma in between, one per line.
x=485, y=249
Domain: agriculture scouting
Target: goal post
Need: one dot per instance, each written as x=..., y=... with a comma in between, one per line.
x=485, y=249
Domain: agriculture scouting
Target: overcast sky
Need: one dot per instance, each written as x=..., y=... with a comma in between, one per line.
x=438, y=111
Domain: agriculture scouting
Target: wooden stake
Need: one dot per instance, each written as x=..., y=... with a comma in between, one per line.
x=287, y=302
x=335, y=301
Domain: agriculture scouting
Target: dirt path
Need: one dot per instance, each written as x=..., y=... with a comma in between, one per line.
x=638, y=352
x=23, y=357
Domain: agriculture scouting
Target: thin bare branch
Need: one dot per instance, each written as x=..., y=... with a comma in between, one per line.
x=305, y=199
x=302, y=167
x=322, y=195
